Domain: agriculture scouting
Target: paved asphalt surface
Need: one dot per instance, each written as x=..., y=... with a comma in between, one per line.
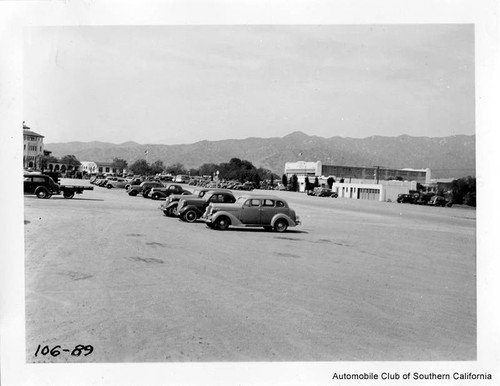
x=358, y=280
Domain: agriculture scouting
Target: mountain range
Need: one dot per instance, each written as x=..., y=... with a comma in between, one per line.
x=447, y=157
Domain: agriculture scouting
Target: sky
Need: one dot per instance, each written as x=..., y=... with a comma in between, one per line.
x=183, y=84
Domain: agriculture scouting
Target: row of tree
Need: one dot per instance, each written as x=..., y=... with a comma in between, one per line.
x=235, y=170
x=463, y=191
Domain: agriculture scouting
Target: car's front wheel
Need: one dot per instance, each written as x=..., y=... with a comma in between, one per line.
x=172, y=211
x=222, y=223
x=109, y=186
x=190, y=216
x=280, y=225
x=155, y=196
x=43, y=193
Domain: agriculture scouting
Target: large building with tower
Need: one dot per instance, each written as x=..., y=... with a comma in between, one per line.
x=33, y=148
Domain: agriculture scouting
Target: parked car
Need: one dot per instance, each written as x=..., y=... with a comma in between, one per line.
x=405, y=198
x=265, y=211
x=158, y=193
x=169, y=208
x=324, y=192
x=133, y=182
x=192, y=208
x=144, y=188
x=439, y=201
x=118, y=182
x=422, y=199
x=244, y=186
x=182, y=178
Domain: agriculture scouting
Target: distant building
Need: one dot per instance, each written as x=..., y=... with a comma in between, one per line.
x=88, y=167
x=33, y=149
x=374, y=182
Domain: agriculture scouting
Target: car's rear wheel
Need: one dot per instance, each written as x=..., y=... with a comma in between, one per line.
x=190, y=216
x=222, y=223
x=280, y=225
x=43, y=193
x=109, y=186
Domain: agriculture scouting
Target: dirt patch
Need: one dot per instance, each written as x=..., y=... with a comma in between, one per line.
x=75, y=275
x=148, y=260
x=286, y=255
x=155, y=244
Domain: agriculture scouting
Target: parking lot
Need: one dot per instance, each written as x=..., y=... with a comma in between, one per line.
x=358, y=280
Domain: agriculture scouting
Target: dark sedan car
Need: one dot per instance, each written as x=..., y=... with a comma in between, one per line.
x=192, y=208
x=158, y=193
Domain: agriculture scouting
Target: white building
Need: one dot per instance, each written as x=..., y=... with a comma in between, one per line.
x=33, y=148
x=89, y=167
x=368, y=183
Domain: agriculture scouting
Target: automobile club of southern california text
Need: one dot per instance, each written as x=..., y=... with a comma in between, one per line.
x=413, y=376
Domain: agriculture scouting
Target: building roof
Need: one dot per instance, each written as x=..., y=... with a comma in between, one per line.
x=32, y=133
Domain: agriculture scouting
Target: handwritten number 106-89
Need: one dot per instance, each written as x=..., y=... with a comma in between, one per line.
x=56, y=350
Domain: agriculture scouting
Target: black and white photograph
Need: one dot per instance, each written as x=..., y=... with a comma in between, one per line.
x=300, y=197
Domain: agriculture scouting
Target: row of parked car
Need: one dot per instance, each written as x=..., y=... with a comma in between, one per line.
x=217, y=207
x=423, y=199
x=322, y=192
x=220, y=209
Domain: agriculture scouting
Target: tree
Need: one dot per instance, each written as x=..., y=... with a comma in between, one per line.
x=45, y=160
x=284, y=180
x=330, y=182
x=307, y=184
x=316, y=182
x=464, y=191
x=157, y=167
x=176, y=168
x=140, y=167
x=295, y=183
x=119, y=163
x=70, y=160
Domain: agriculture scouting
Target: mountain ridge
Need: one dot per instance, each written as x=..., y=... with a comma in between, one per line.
x=447, y=157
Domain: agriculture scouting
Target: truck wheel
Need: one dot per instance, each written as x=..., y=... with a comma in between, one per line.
x=69, y=194
x=222, y=223
x=190, y=216
x=280, y=225
x=42, y=193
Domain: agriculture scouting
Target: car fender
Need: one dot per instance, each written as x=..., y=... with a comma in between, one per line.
x=234, y=220
x=282, y=216
x=171, y=204
x=189, y=207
